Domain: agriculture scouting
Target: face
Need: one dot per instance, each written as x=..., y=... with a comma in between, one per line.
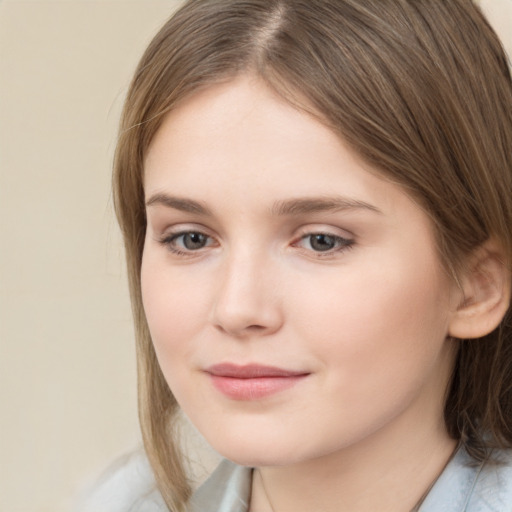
x=295, y=299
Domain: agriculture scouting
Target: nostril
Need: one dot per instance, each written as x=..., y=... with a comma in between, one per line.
x=253, y=328
x=256, y=327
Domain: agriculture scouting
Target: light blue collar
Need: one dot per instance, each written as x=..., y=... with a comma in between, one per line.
x=462, y=487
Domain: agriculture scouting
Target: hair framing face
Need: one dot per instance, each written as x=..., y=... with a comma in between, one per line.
x=420, y=90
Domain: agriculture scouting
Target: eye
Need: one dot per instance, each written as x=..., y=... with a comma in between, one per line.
x=191, y=241
x=324, y=242
x=187, y=241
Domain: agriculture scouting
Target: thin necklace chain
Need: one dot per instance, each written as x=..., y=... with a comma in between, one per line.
x=416, y=507
x=267, y=497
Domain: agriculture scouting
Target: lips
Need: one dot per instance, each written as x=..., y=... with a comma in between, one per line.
x=252, y=381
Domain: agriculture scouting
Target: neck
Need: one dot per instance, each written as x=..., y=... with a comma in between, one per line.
x=390, y=476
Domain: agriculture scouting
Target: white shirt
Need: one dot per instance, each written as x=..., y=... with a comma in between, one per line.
x=462, y=487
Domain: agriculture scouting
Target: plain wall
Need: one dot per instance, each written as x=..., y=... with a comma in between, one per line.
x=67, y=368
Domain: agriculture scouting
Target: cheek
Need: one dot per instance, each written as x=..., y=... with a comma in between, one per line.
x=175, y=309
x=377, y=319
x=380, y=344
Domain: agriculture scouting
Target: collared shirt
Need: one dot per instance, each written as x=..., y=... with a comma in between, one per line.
x=463, y=486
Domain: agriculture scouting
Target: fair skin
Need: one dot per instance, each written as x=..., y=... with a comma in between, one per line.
x=269, y=242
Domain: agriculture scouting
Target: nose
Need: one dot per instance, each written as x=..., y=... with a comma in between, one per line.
x=247, y=302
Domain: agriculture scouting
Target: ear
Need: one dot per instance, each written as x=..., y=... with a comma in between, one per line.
x=486, y=284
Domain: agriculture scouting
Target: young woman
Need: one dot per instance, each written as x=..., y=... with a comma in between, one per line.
x=316, y=201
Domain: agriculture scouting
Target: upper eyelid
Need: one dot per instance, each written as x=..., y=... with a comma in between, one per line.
x=173, y=235
x=349, y=240
x=323, y=229
x=296, y=234
x=185, y=227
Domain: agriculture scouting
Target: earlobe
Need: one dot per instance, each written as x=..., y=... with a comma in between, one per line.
x=486, y=287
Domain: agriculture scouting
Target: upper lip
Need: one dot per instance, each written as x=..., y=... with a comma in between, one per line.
x=250, y=371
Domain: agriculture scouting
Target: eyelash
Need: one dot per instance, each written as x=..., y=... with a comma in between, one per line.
x=169, y=242
x=341, y=244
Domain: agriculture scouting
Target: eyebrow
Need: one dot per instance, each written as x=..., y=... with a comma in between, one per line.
x=179, y=203
x=321, y=204
x=288, y=207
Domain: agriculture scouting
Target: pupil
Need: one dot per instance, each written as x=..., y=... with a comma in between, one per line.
x=194, y=240
x=322, y=242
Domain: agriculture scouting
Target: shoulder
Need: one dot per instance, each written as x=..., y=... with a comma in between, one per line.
x=473, y=487
x=493, y=485
x=128, y=485
x=228, y=489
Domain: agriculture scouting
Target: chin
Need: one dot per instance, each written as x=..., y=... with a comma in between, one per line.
x=258, y=459
x=254, y=452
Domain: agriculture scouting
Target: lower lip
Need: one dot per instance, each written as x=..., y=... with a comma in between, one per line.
x=256, y=388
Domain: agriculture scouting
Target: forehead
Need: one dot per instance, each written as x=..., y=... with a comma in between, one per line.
x=226, y=117
x=241, y=141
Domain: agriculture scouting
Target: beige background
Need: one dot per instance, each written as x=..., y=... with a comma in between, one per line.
x=67, y=369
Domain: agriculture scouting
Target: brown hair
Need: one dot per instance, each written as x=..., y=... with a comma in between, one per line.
x=421, y=89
